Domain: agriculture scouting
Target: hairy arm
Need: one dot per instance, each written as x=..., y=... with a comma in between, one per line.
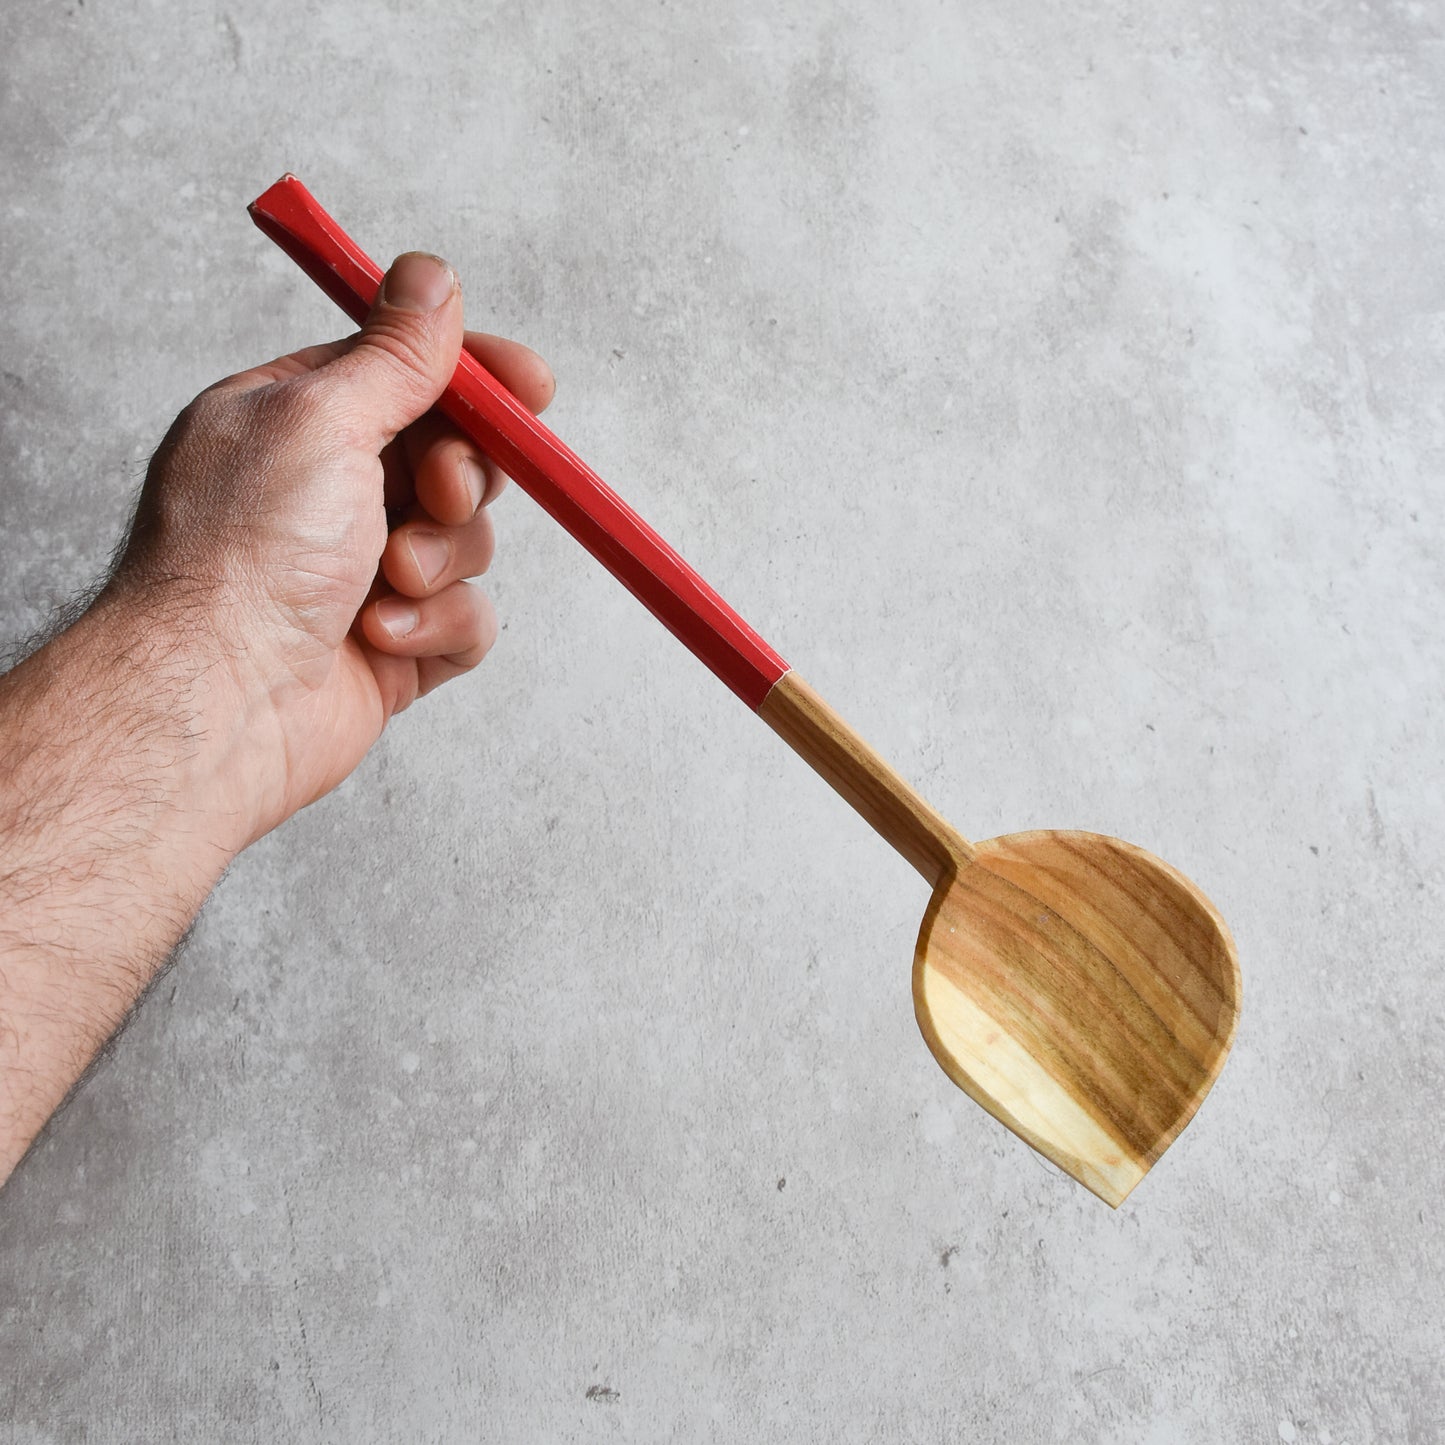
x=295, y=577
x=110, y=839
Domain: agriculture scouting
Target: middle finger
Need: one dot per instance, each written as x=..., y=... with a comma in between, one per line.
x=452, y=476
x=422, y=557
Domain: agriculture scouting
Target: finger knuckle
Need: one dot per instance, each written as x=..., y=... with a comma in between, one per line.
x=403, y=349
x=294, y=407
x=470, y=657
x=206, y=419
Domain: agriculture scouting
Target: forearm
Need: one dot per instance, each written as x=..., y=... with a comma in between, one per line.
x=115, y=823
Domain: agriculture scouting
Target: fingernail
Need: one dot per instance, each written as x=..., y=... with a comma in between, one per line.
x=397, y=616
x=476, y=480
x=430, y=552
x=418, y=281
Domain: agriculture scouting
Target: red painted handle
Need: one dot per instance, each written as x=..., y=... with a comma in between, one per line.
x=553, y=475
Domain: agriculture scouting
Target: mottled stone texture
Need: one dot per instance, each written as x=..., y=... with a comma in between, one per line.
x=1059, y=386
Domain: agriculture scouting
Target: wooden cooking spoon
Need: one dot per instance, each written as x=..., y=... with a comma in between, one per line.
x=1083, y=992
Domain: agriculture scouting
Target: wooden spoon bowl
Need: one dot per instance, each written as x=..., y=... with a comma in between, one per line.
x=1081, y=990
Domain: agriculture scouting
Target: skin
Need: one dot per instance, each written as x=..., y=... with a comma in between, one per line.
x=295, y=577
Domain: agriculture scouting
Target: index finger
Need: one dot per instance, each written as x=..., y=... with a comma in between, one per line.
x=452, y=477
x=517, y=367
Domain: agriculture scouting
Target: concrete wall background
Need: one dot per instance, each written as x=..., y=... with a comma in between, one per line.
x=1059, y=387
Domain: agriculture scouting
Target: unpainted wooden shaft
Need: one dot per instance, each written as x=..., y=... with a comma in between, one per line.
x=858, y=774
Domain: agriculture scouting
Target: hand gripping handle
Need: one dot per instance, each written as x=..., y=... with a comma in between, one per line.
x=549, y=471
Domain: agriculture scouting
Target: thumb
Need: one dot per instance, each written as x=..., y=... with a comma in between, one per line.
x=407, y=350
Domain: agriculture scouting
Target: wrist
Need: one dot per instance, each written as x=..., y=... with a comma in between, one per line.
x=265, y=691
x=131, y=724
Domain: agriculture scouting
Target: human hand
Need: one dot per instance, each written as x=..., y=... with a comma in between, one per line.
x=304, y=534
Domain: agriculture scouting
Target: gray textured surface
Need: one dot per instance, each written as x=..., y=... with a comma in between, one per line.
x=1059, y=386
